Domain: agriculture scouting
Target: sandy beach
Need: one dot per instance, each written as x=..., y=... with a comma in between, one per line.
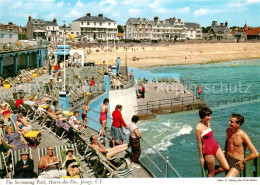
x=176, y=54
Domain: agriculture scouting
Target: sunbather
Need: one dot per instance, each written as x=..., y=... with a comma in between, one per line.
x=49, y=165
x=22, y=124
x=110, y=152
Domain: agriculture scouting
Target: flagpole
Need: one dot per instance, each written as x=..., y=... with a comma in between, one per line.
x=64, y=58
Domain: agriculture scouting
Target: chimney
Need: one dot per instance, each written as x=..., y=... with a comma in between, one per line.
x=156, y=19
x=214, y=23
x=88, y=14
x=100, y=15
x=54, y=20
x=226, y=24
x=30, y=18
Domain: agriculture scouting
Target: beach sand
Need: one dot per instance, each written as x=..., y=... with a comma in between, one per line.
x=177, y=54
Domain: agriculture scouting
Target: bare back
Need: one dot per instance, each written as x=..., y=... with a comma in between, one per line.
x=103, y=108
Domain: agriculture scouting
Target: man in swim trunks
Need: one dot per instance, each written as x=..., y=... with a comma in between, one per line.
x=236, y=143
x=84, y=114
x=109, y=152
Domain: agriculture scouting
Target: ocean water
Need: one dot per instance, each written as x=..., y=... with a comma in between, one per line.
x=174, y=134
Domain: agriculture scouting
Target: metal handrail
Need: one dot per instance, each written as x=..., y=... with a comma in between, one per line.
x=159, y=154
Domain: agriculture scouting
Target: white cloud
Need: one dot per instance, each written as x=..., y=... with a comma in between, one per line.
x=236, y=4
x=60, y=4
x=133, y=3
x=183, y=10
x=47, y=1
x=201, y=11
x=17, y=5
x=107, y=2
x=134, y=11
x=253, y=1
x=50, y=17
x=79, y=4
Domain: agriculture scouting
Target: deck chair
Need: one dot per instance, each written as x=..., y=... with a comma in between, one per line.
x=177, y=98
x=12, y=105
x=3, y=166
x=108, y=166
x=43, y=151
x=16, y=156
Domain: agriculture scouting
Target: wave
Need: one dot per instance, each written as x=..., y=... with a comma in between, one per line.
x=166, y=142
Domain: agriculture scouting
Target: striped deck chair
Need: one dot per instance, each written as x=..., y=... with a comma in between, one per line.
x=3, y=166
x=16, y=156
x=13, y=120
x=56, y=152
x=107, y=165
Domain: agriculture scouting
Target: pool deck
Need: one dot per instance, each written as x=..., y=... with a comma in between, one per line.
x=165, y=98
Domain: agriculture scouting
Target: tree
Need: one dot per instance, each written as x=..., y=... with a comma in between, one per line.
x=120, y=29
x=206, y=30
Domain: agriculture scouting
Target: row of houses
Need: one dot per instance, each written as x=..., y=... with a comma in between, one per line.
x=168, y=29
x=102, y=28
x=90, y=28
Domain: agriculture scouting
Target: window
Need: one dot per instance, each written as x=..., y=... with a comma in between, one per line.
x=109, y=24
x=94, y=23
x=77, y=33
x=100, y=24
x=10, y=35
x=60, y=33
x=81, y=22
x=87, y=23
x=2, y=35
x=71, y=32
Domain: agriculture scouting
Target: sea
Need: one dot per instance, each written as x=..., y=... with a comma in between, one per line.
x=173, y=135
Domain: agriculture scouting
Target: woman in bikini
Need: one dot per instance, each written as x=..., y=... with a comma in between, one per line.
x=103, y=116
x=208, y=147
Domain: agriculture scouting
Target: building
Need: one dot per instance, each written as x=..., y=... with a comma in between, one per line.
x=193, y=30
x=52, y=30
x=168, y=29
x=36, y=29
x=220, y=32
x=8, y=40
x=94, y=27
x=138, y=29
x=12, y=28
x=252, y=33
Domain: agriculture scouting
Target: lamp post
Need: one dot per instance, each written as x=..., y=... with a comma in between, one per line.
x=107, y=52
x=64, y=85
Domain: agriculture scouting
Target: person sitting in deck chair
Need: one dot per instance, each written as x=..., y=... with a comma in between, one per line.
x=24, y=167
x=74, y=122
x=110, y=152
x=22, y=124
x=71, y=162
x=49, y=165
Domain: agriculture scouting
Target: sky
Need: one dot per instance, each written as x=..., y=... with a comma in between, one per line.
x=203, y=12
